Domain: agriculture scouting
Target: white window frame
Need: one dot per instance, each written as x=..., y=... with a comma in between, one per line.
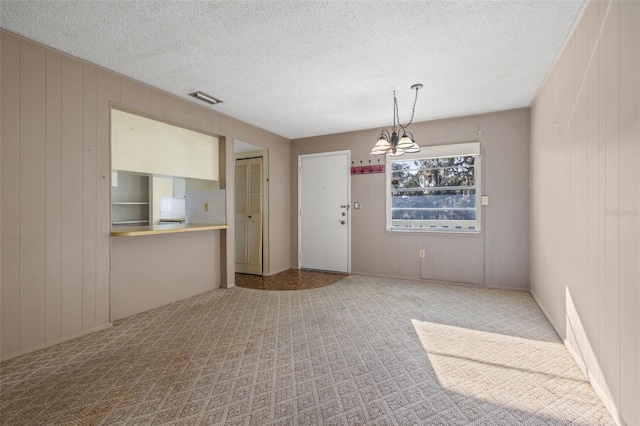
x=453, y=150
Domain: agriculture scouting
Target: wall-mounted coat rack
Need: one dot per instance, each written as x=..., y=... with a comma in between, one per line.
x=366, y=169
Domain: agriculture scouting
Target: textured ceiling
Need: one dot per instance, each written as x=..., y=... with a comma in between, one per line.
x=305, y=68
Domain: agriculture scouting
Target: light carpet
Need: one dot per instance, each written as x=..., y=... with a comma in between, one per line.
x=364, y=351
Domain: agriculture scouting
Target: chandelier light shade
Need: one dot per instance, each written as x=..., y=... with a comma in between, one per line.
x=391, y=143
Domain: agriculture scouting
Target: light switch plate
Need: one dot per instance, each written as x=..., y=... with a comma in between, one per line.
x=485, y=200
x=357, y=205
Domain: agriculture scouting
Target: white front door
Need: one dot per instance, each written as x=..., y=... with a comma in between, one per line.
x=249, y=216
x=324, y=193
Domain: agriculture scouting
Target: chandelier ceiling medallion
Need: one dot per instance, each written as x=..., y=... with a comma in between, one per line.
x=393, y=144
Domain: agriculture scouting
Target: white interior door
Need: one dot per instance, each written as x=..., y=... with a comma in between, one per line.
x=324, y=192
x=249, y=216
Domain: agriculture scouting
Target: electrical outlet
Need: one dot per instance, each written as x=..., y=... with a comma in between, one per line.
x=206, y=207
x=421, y=254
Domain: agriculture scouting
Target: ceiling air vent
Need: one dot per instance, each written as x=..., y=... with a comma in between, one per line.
x=205, y=98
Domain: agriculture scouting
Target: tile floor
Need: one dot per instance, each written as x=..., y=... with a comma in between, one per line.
x=293, y=279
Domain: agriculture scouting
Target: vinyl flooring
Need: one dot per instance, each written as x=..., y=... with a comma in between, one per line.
x=293, y=279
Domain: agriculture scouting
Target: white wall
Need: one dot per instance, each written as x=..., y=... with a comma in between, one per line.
x=585, y=198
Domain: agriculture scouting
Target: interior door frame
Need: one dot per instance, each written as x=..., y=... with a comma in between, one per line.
x=348, y=172
x=247, y=266
x=264, y=154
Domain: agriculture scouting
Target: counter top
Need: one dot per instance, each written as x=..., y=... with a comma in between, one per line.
x=170, y=228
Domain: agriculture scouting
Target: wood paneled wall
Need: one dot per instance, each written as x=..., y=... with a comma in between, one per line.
x=55, y=209
x=498, y=257
x=585, y=217
x=55, y=275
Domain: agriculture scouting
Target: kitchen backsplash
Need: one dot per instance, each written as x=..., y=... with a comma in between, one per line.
x=172, y=208
x=206, y=207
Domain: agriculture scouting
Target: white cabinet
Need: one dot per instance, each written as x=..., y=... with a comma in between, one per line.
x=179, y=187
x=149, y=146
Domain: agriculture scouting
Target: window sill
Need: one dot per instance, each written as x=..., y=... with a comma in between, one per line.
x=453, y=232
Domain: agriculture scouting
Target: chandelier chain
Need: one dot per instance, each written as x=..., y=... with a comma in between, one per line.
x=395, y=111
x=413, y=112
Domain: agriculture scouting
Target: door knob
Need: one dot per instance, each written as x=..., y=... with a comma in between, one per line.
x=342, y=222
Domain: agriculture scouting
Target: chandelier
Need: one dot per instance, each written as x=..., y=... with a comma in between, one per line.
x=393, y=144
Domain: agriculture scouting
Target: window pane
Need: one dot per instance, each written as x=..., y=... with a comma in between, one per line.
x=430, y=163
x=406, y=214
x=411, y=179
x=425, y=178
x=458, y=176
x=459, y=198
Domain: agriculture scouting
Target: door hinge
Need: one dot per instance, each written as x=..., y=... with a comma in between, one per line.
x=300, y=212
x=300, y=255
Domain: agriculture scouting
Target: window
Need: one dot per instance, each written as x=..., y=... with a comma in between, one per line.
x=437, y=189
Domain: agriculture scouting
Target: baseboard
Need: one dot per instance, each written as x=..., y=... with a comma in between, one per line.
x=56, y=342
x=547, y=315
x=398, y=277
x=475, y=285
x=597, y=387
x=577, y=358
x=276, y=272
x=610, y=406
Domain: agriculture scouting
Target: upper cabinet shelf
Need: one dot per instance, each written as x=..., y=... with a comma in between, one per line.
x=136, y=203
x=129, y=198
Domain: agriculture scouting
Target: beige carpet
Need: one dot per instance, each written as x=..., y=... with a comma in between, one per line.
x=364, y=351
